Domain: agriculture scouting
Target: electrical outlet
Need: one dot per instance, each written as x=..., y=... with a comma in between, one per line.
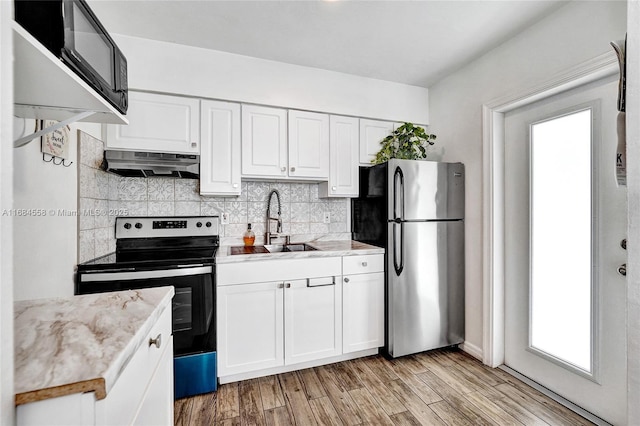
x=224, y=219
x=327, y=217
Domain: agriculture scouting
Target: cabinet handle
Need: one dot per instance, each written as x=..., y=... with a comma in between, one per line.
x=287, y=285
x=293, y=169
x=235, y=185
x=346, y=280
x=194, y=145
x=364, y=264
x=283, y=169
x=157, y=341
x=333, y=188
x=280, y=285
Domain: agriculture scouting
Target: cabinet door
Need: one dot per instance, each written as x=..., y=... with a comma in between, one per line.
x=250, y=327
x=158, y=123
x=308, y=145
x=157, y=406
x=343, y=170
x=363, y=313
x=220, y=149
x=313, y=319
x=264, y=141
x=371, y=134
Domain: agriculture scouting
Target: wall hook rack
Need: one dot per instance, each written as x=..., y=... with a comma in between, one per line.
x=53, y=158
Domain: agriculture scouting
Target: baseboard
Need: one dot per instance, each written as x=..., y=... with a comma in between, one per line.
x=472, y=350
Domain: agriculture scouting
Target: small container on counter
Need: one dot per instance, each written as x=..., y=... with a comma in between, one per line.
x=249, y=237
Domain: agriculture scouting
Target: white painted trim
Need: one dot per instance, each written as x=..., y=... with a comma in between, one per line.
x=549, y=393
x=295, y=367
x=493, y=114
x=471, y=349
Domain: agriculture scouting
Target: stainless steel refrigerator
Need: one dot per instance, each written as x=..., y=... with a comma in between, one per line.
x=415, y=210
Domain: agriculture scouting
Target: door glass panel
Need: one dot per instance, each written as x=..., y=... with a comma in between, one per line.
x=561, y=239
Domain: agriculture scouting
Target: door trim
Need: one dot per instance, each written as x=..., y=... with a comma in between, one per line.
x=493, y=142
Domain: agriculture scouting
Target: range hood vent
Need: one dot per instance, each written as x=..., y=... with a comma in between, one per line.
x=151, y=164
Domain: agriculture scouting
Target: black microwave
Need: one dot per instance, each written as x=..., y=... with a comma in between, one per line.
x=71, y=31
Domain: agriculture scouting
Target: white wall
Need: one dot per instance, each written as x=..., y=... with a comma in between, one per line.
x=45, y=247
x=167, y=67
x=575, y=33
x=633, y=182
x=7, y=407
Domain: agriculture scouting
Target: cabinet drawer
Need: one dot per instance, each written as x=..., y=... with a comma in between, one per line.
x=276, y=270
x=362, y=264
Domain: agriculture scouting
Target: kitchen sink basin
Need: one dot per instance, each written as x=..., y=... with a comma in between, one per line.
x=277, y=248
x=270, y=248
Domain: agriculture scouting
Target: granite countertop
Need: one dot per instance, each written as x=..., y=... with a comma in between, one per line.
x=81, y=343
x=322, y=249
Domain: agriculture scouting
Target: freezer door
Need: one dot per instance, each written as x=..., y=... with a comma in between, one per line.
x=425, y=286
x=425, y=190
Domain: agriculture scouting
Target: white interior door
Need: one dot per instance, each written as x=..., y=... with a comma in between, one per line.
x=565, y=218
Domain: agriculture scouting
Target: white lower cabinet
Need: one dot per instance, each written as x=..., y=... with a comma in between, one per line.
x=363, y=300
x=313, y=319
x=250, y=327
x=308, y=311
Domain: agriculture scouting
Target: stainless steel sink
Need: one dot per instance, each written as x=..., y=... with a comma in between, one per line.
x=270, y=248
x=278, y=248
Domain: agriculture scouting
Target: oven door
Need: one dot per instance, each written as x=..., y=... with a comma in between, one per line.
x=192, y=305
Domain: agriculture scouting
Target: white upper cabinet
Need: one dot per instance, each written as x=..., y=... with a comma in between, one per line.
x=264, y=141
x=371, y=134
x=220, y=160
x=344, y=163
x=158, y=123
x=308, y=144
x=267, y=150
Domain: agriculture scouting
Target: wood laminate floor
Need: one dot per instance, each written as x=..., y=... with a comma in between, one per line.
x=441, y=387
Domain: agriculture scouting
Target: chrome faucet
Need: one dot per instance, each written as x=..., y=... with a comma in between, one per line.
x=268, y=235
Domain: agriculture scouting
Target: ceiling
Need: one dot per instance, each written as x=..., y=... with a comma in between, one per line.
x=413, y=42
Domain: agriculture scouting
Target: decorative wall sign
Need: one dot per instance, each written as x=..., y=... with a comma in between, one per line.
x=55, y=143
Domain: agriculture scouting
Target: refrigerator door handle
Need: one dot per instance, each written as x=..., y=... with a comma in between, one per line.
x=398, y=249
x=398, y=190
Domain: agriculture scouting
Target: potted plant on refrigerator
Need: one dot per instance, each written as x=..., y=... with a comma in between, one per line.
x=407, y=142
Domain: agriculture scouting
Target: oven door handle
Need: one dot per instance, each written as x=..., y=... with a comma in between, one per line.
x=141, y=275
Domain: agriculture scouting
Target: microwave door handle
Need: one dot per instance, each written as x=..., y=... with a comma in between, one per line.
x=398, y=191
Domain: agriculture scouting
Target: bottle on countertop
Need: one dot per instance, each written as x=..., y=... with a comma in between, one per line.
x=249, y=237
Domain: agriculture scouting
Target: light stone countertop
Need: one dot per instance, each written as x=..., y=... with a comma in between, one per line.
x=323, y=249
x=81, y=343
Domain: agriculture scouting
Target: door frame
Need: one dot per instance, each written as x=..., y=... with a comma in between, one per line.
x=493, y=228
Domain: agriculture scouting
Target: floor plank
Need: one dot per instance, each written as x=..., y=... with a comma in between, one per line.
x=271, y=392
x=439, y=387
x=182, y=411
x=324, y=412
x=414, y=404
x=228, y=401
x=341, y=400
x=371, y=413
x=296, y=400
x=385, y=397
x=311, y=383
x=251, y=409
x=278, y=416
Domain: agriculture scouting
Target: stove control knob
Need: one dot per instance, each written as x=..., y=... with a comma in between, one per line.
x=208, y=224
x=199, y=224
x=138, y=225
x=127, y=225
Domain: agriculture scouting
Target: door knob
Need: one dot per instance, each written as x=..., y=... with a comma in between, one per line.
x=293, y=169
x=622, y=269
x=157, y=341
x=623, y=243
x=283, y=169
x=346, y=280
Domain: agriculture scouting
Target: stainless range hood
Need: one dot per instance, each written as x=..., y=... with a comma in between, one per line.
x=151, y=164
